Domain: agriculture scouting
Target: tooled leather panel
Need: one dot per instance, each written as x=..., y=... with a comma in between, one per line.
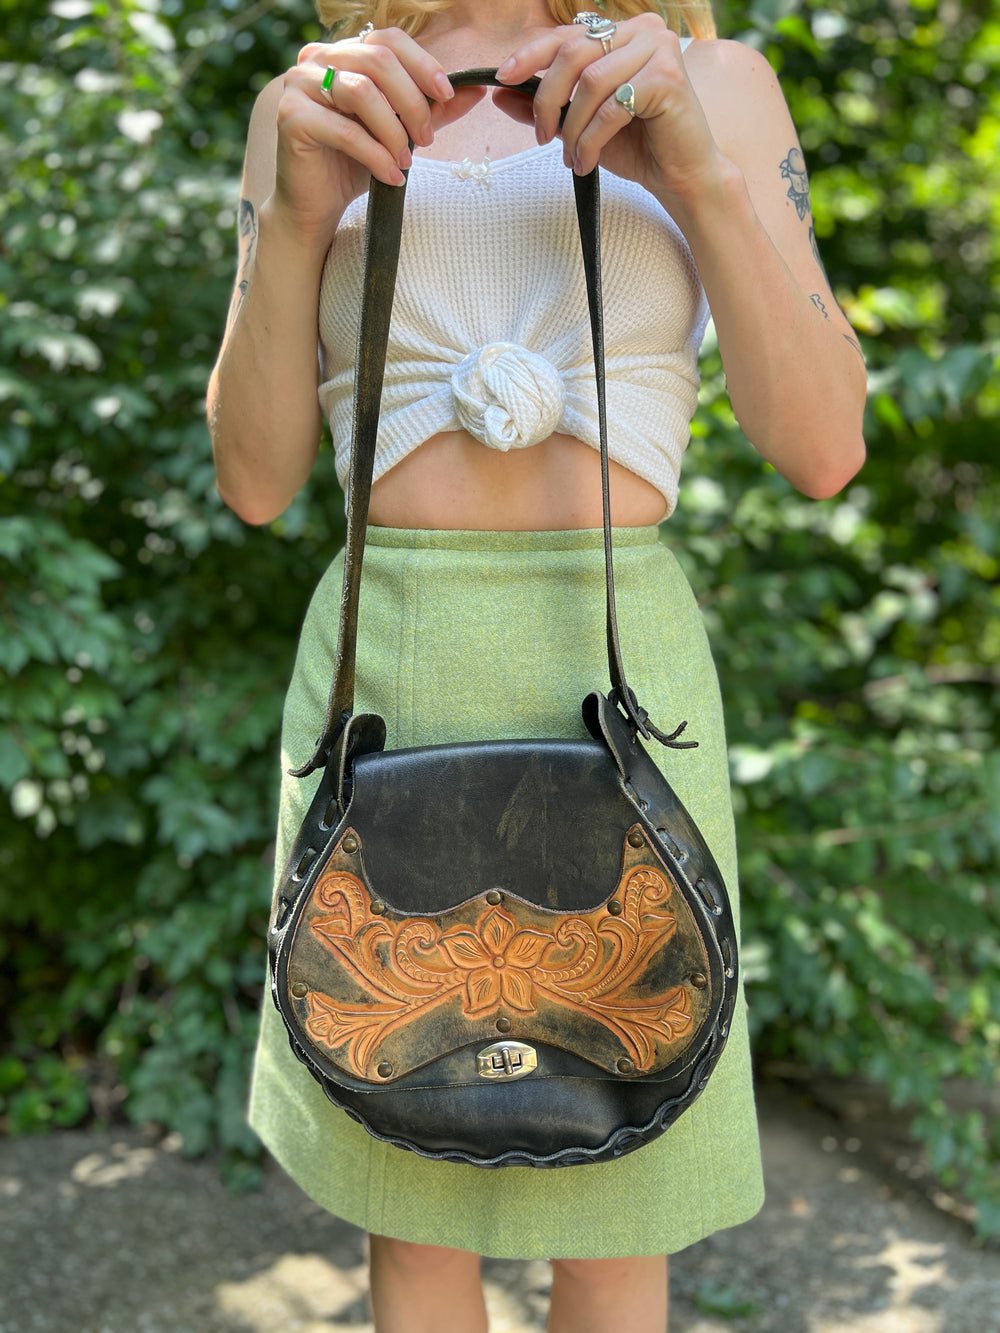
x=628, y=986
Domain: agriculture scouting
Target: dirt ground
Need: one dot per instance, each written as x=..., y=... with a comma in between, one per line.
x=115, y=1232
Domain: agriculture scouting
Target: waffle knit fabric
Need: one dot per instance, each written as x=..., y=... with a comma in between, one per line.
x=486, y=636
x=490, y=327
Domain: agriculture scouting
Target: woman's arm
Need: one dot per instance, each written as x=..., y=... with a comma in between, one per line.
x=310, y=152
x=713, y=141
x=263, y=410
x=794, y=369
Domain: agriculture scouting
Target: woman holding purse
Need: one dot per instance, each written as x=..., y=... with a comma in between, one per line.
x=482, y=601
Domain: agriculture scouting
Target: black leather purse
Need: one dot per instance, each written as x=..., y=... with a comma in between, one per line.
x=509, y=952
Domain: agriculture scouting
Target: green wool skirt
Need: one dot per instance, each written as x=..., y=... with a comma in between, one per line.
x=494, y=635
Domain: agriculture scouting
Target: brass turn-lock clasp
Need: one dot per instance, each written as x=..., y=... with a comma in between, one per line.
x=506, y=1059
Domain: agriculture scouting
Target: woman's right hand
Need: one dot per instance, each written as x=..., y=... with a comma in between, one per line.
x=308, y=156
x=330, y=143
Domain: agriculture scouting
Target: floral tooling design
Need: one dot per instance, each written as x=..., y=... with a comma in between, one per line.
x=514, y=960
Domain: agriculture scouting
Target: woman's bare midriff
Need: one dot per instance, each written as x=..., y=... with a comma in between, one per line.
x=454, y=481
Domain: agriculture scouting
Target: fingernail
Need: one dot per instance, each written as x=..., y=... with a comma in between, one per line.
x=506, y=67
x=443, y=88
x=396, y=177
x=405, y=160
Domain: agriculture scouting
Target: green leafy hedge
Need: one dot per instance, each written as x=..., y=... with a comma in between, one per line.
x=147, y=635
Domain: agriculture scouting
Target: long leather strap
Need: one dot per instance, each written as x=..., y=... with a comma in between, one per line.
x=381, y=259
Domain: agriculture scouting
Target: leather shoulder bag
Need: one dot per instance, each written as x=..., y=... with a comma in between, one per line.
x=507, y=952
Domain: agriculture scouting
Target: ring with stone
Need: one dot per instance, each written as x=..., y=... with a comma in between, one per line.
x=366, y=31
x=625, y=96
x=327, y=84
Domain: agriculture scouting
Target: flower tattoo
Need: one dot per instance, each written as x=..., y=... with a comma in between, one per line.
x=793, y=170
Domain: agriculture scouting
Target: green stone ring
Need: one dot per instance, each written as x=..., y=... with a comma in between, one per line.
x=328, y=78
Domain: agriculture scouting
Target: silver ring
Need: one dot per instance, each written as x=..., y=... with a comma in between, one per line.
x=625, y=96
x=327, y=85
x=366, y=31
x=605, y=37
x=600, y=28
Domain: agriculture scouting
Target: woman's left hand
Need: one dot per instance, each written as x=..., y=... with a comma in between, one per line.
x=667, y=146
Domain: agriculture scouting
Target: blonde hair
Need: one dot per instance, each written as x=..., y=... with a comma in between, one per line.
x=350, y=16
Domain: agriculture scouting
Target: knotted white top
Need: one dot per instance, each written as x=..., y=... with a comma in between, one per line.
x=490, y=327
x=507, y=397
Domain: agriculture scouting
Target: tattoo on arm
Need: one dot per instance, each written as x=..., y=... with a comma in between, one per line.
x=793, y=170
x=248, y=240
x=815, y=249
x=822, y=307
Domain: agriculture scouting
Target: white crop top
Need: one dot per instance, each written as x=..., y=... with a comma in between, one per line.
x=490, y=329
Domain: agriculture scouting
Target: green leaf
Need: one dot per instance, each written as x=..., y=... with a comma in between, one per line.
x=14, y=763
